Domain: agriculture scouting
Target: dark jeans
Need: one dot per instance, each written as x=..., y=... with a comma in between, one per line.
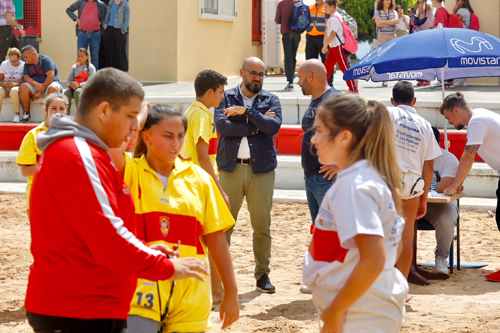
x=290, y=46
x=316, y=188
x=115, y=48
x=497, y=217
x=314, y=45
x=50, y=324
x=7, y=40
x=92, y=41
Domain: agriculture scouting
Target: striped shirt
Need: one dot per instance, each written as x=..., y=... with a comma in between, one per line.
x=386, y=16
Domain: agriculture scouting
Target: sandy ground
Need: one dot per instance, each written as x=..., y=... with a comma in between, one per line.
x=466, y=302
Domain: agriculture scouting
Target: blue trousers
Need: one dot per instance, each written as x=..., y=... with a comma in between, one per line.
x=316, y=188
x=86, y=40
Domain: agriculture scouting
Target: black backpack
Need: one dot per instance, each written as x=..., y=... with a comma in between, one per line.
x=300, y=17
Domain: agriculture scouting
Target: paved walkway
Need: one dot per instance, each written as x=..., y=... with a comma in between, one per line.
x=370, y=90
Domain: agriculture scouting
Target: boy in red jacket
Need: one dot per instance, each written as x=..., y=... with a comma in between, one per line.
x=86, y=256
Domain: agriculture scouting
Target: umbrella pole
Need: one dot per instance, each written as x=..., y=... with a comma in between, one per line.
x=445, y=121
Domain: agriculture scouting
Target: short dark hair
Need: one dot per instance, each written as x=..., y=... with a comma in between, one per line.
x=332, y=3
x=109, y=85
x=403, y=92
x=437, y=134
x=398, y=7
x=28, y=48
x=208, y=79
x=456, y=100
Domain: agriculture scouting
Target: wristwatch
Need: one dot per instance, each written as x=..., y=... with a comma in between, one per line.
x=247, y=109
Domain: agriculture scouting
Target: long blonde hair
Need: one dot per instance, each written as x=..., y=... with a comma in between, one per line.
x=373, y=135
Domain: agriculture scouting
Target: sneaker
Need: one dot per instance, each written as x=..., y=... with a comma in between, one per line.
x=495, y=277
x=420, y=83
x=289, y=87
x=426, y=83
x=26, y=117
x=264, y=285
x=17, y=119
x=441, y=266
x=305, y=290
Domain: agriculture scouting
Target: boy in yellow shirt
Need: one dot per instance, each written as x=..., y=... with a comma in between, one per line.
x=201, y=141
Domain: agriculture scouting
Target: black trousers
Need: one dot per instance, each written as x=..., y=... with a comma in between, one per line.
x=7, y=40
x=314, y=45
x=290, y=46
x=115, y=52
x=50, y=324
x=497, y=217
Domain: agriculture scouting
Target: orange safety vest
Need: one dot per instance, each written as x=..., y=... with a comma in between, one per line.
x=318, y=21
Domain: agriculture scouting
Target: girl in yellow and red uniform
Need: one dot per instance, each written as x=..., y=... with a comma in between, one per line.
x=176, y=201
x=29, y=153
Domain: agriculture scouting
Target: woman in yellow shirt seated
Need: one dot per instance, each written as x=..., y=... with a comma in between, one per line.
x=176, y=202
x=27, y=157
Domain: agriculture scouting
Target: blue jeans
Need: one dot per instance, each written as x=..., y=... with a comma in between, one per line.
x=316, y=188
x=86, y=40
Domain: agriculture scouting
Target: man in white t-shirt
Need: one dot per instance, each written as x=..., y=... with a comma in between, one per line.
x=443, y=216
x=11, y=76
x=483, y=137
x=416, y=149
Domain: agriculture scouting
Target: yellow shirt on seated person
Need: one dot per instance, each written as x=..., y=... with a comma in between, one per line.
x=189, y=207
x=28, y=155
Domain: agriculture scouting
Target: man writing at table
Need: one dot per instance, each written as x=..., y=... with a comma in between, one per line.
x=483, y=137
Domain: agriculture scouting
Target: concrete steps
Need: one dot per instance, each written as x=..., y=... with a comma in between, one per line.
x=481, y=182
x=293, y=108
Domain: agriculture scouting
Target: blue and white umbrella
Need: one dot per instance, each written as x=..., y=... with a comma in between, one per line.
x=442, y=54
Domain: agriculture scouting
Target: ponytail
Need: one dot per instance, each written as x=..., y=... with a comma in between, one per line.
x=156, y=113
x=373, y=136
x=84, y=50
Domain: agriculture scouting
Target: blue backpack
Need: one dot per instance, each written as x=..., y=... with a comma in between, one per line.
x=300, y=17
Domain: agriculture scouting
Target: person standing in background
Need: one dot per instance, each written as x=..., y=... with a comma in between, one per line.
x=425, y=10
x=7, y=21
x=290, y=39
x=115, y=34
x=386, y=19
x=91, y=14
x=403, y=24
x=316, y=33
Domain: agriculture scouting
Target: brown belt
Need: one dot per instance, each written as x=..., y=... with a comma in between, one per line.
x=244, y=161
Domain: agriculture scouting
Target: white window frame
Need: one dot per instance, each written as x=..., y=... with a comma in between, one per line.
x=218, y=17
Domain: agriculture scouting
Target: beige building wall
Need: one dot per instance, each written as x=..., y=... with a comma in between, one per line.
x=58, y=35
x=167, y=41
x=488, y=12
x=209, y=44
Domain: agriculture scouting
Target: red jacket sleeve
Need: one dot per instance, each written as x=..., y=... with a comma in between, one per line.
x=86, y=189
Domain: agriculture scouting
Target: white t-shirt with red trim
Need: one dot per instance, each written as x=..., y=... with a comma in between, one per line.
x=359, y=202
x=335, y=24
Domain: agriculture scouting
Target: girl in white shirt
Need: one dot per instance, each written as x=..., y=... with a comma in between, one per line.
x=349, y=266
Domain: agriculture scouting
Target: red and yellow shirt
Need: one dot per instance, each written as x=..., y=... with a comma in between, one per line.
x=200, y=125
x=29, y=154
x=186, y=210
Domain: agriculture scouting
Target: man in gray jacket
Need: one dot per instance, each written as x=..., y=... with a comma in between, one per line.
x=91, y=14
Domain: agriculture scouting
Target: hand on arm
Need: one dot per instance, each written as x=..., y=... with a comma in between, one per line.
x=371, y=264
x=206, y=164
x=427, y=174
x=464, y=167
x=51, y=75
x=217, y=246
x=229, y=128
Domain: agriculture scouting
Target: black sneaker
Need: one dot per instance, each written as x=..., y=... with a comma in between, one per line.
x=26, y=117
x=264, y=285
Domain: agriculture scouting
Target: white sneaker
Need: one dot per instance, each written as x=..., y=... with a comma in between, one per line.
x=305, y=290
x=289, y=87
x=26, y=117
x=17, y=119
x=441, y=266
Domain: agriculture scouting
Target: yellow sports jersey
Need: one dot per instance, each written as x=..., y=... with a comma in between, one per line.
x=189, y=208
x=200, y=125
x=28, y=155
